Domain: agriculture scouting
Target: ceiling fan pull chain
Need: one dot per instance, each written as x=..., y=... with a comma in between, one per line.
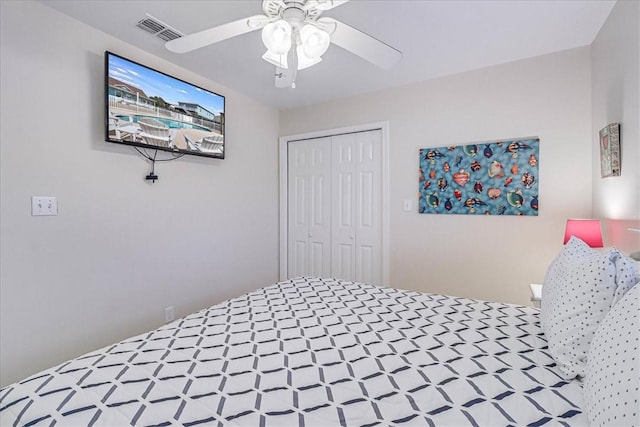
x=293, y=59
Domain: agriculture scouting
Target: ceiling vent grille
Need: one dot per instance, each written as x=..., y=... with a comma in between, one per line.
x=158, y=28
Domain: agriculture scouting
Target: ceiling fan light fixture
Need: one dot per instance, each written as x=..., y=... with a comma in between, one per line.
x=277, y=60
x=305, y=61
x=276, y=36
x=315, y=41
x=282, y=61
x=296, y=36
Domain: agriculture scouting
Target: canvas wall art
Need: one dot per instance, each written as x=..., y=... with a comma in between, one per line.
x=490, y=178
x=610, y=150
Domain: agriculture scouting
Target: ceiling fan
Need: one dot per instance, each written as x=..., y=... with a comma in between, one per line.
x=296, y=36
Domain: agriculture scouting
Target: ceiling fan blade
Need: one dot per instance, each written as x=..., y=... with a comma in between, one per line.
x=217, y=34
x=363, y=45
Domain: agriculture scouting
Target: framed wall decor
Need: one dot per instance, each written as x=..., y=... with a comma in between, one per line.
x=610, y=150
x=489, y=178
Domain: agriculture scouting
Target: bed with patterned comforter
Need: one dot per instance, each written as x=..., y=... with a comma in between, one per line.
x=314, y=352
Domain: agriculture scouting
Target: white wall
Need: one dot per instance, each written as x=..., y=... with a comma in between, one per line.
x=487, y=257
x=615, y=86
x=120, y=249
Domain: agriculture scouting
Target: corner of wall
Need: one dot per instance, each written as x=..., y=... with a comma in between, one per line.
x=615, y=98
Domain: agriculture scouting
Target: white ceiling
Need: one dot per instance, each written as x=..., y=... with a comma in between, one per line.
x=437, y=38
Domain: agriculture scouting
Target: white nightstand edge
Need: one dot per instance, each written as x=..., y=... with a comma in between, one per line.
x=536, y=294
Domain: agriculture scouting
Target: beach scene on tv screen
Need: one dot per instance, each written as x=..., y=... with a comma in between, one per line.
x=151, y=108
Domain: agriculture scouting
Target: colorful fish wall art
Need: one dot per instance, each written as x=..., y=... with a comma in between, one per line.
x=489, y=178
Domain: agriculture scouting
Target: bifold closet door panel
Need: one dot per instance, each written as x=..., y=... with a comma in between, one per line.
x=368, y=223
x=309, y=208
x=356, y=226
x=343, y=206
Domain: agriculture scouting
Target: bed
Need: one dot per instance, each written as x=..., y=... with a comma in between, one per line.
x=315, y=352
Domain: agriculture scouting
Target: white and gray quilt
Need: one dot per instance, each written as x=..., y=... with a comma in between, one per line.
x=314, y=352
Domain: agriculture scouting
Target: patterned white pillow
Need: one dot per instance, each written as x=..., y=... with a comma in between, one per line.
x=611, y=388
x=627, y=275
x=577, y=293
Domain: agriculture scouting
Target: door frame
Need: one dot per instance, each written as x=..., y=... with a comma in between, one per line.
x=284, y=196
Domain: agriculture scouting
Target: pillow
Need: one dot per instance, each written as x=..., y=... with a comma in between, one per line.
x=627, y=275
x=577, y=293
x=611, y=387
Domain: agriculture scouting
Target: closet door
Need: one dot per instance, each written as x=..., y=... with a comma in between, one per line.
x=369, y=207
x=343, y=208
x=309, y=208
x=334, y=206
x=356, y=232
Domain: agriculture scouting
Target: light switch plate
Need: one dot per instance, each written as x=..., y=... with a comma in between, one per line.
x=44, y=205
x=407, y=205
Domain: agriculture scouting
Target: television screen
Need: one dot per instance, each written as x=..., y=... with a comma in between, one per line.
x=150, y=109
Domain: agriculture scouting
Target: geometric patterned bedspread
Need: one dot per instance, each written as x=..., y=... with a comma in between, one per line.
x=314, y=352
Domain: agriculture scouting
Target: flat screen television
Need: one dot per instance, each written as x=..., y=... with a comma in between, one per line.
x=149, y=109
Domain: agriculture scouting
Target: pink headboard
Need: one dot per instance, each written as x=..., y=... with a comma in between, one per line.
x=616, y=233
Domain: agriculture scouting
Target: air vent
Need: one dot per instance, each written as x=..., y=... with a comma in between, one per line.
x=169, y=34
x=158, y=28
